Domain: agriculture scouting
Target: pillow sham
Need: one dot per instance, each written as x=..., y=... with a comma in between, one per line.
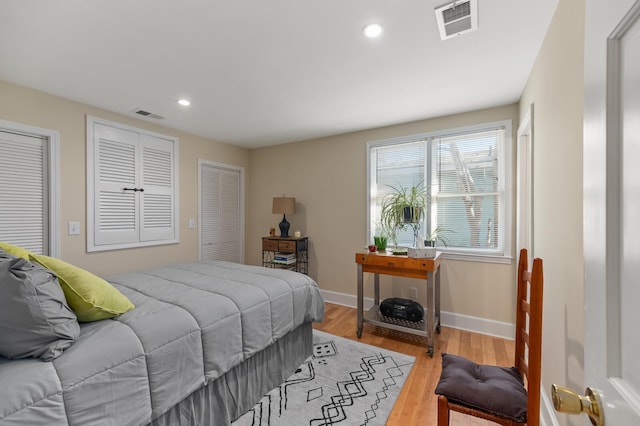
x=35, y=320
x=15, y=250
x=90, y=297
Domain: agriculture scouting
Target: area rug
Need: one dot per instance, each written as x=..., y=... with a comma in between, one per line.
x=344, y=383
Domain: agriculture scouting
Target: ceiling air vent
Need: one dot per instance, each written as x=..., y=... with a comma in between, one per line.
x=147, y=114
x=457, y=18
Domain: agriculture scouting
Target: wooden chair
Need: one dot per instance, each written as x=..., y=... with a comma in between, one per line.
x=498, y=394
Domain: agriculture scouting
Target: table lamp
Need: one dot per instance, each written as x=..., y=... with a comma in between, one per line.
x=284, y=205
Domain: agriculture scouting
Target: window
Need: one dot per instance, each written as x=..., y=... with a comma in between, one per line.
x=132, y=187
x=467, y=172
x=28, y=187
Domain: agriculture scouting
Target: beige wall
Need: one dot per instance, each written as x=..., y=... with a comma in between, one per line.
x=555, y=87
x=26, y=106
x=327, y=177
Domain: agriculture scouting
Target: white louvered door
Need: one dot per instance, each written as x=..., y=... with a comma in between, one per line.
x=230, y=216
x=157, y=199
x=115, y=207
x=220, y=213
x=24, y=191
x=132, y=188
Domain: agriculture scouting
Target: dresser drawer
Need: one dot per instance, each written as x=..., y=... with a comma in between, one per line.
x=270, y=245
x=398, y=262
x=288, y=246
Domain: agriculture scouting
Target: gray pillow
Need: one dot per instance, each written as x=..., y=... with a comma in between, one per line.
x=35, y=320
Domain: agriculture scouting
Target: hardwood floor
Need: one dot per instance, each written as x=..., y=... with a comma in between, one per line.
x=417, y=403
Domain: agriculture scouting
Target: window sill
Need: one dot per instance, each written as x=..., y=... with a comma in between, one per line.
x=476, y=257
x=104, y=247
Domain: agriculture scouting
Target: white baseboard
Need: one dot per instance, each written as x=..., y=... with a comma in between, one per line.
x=489, y=327
x=547, y=413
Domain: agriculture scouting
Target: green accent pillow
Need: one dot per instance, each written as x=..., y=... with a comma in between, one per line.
x=90, y=297
x=15, y=250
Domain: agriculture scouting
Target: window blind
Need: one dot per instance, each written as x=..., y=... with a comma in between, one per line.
x=468, y=188
x=397, y=165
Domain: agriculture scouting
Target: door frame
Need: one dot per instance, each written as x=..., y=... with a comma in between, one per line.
x=524, y=184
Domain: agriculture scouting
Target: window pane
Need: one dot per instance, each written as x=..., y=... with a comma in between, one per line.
x=468, y=188
x=396, y=165
x=399, y=165
x=471, y=221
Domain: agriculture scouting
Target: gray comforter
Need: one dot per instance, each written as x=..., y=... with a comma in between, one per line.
x=192, y=323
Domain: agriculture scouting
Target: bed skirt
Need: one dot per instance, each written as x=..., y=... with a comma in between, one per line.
x=231, y=395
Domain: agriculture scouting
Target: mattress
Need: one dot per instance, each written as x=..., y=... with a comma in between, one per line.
x=193, y=323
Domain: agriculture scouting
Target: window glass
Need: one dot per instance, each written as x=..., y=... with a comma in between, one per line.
x=464, y=171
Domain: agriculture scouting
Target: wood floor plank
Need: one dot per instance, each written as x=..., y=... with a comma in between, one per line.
x=417, y=403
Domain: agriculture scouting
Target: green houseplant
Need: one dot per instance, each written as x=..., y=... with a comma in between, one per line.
x=402, y=208
x=380, y=237
x=437, y=235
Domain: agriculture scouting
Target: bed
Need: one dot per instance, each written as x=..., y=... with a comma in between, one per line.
x=205, y=342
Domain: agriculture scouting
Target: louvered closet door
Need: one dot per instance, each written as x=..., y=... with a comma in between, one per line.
x=23, y=191
x=115, y=164
x=157, y=200
x=219, y=214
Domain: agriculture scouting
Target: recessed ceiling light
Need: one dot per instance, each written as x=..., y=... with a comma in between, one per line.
x=372, y=30
x=184, y=102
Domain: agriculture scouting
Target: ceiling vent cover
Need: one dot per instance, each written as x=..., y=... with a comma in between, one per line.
x=457, y=18
x=147, y=114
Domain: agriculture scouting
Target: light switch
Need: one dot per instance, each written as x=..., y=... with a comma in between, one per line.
x=74, y=228
x=192, y=223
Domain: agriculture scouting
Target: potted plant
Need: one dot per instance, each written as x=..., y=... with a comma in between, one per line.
x=380, y=237
x=437, y=235
x=380, y=242
x=402, y=208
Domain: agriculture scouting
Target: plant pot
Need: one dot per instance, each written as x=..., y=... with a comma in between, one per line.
x=380, y=243
x=412, y=214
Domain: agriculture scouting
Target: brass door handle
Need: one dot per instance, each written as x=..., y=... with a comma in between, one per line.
x=567, y=401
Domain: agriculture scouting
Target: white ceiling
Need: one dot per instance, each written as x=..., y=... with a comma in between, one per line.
x=264, y=72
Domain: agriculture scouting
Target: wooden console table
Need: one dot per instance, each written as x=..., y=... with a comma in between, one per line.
x=401, y=266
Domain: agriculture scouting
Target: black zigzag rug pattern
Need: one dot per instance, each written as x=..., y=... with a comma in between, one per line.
x=344, y=383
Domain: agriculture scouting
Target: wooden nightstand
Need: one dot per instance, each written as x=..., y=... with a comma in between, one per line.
x=287, y=253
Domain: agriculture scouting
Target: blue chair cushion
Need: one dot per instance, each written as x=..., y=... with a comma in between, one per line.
x=489, y=388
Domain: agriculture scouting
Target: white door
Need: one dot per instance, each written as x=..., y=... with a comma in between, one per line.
x=24, y=185
x=221, y=212
x=30, y=166
x=612, y=206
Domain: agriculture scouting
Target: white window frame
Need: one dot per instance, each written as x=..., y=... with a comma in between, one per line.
x=498, y=256
x=91, y=246
x=53, y=158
